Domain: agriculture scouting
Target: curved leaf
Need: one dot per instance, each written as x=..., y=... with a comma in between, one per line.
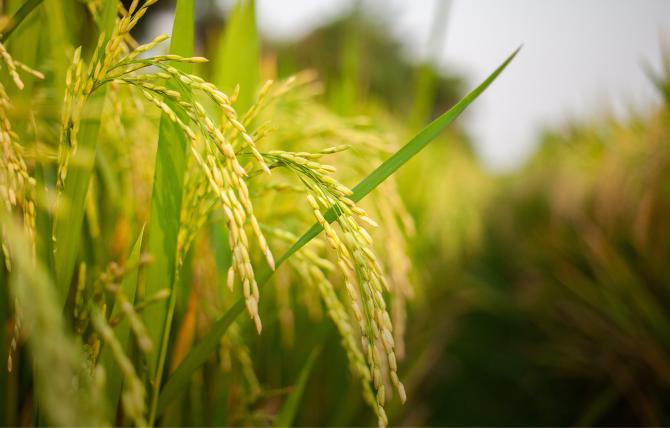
x=290, y=408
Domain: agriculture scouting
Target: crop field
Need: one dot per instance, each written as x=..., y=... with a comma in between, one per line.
x=201, y=228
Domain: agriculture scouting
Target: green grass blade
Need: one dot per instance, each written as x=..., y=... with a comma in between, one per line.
x=177, y=383
x=18, y=18
x=289, y=410
x=199, y=354
x=67, y=226
x=165, y=212
x=108, y=16
x=59, y=41
x=128, y=288
x=238, y=56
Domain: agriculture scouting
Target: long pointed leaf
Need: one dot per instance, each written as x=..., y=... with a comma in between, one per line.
x=165, y=212
x=18, y=18
x=238, y=56
x=128, y=288
x=288, y=411
x=68, y=222
x=199, y=354
x=59, y=41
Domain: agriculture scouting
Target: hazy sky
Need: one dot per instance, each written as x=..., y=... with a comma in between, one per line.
x=579, y=57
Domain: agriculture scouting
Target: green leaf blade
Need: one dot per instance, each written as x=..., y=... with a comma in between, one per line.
x=176, y=384
x=128, y=288
x=289, y=410
x=166, y=204
x=238, y=54
x=18, y=18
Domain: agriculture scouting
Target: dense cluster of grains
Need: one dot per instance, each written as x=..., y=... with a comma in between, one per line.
x=314, y=271
x=396, y=227
x=16, y=185
x=285, y=115
x=80, y=86
x=213, y=147
x=364, y=279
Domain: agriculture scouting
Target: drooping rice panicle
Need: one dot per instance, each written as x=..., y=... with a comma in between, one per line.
x=16, y=184
x=68, y=392
x=314, y=270
x=218, y=160
x=299, y=122
x=365, y=282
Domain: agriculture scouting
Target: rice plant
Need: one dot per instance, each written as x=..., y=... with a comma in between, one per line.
x=145, y=201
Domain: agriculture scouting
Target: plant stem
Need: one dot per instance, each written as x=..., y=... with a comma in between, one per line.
x=18, y=18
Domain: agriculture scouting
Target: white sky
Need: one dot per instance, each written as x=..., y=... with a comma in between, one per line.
x=580, y=57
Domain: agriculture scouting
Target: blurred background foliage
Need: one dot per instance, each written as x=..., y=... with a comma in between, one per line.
x=542, y=296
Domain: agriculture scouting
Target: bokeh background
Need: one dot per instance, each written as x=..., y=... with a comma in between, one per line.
x=542, y=235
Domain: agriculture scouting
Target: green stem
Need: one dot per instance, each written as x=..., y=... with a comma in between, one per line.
x=18, y=18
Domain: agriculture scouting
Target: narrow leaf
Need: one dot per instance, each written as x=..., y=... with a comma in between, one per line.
x=58, y=39
x=199, y=354
x=289, y=410
x=128, y=289
x=238, y=56
x=18, y=18
x=165, y=211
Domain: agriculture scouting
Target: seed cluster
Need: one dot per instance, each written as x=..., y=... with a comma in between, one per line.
x=80, y=87
x=16, y=185
x=314, y=272
x=213, y=147
x=300, y=122
x=397, y=226
x=365, y=282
